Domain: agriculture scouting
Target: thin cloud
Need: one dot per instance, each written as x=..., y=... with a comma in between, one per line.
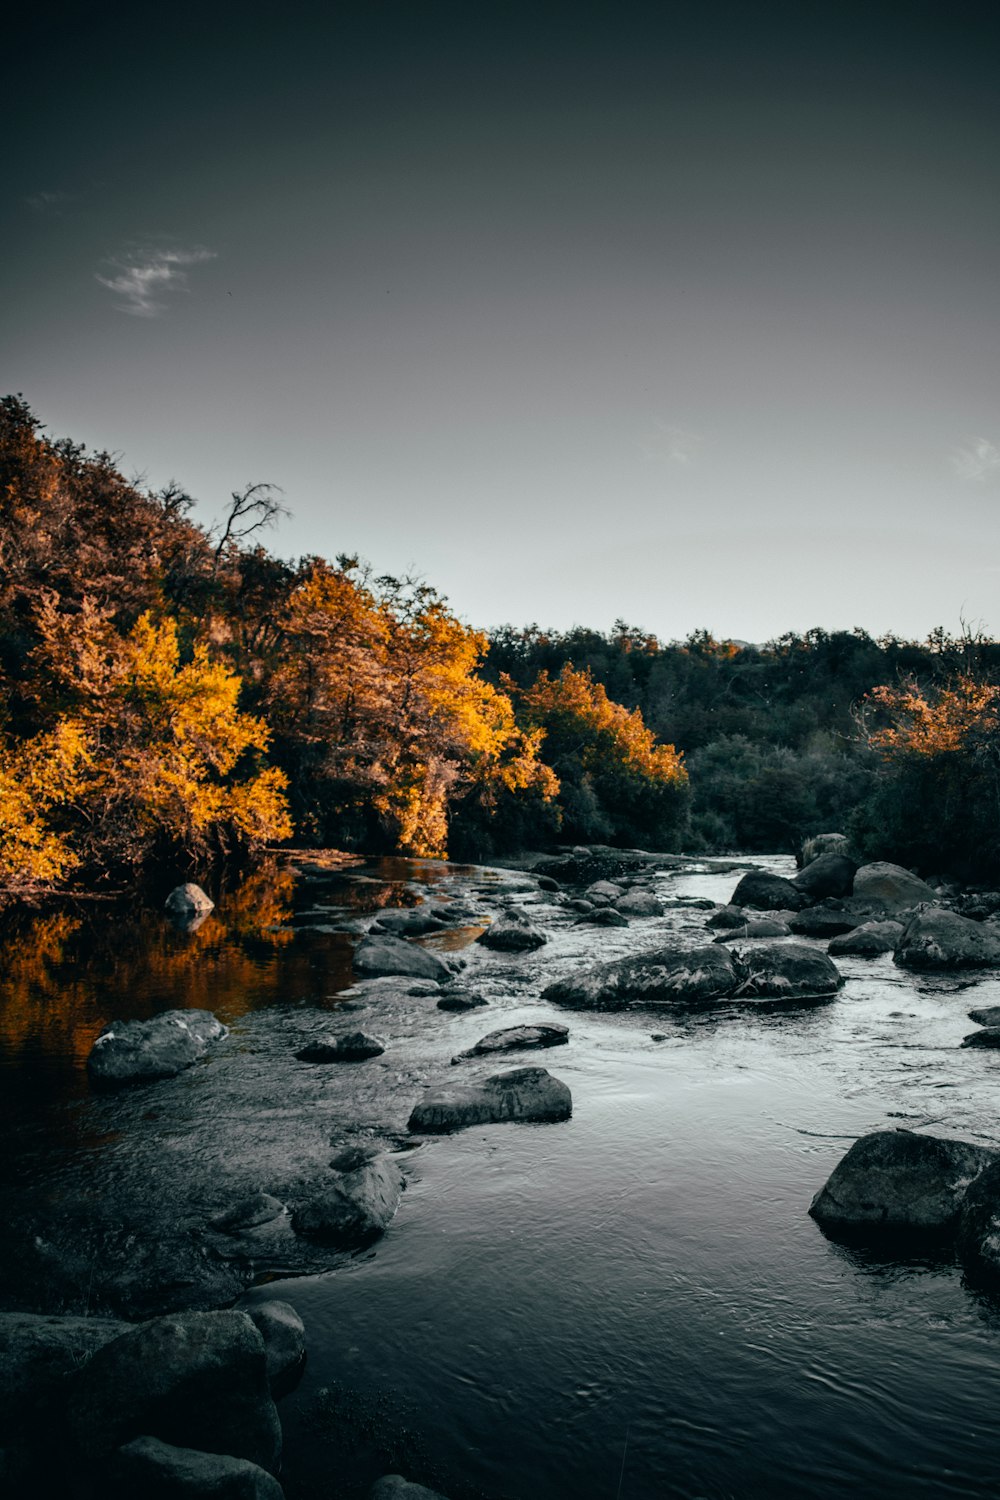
x=145, y=278
x=47, y=202
x=979, y=461
x=676, y=444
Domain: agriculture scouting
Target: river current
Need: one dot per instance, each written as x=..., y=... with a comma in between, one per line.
x=629, y=1305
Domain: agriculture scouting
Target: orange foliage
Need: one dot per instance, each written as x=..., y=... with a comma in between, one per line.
x=935, y=722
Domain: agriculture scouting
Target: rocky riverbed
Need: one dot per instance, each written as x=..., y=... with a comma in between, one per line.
x=686, y=1141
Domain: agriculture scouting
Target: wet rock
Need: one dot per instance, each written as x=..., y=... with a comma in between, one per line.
x=764, y=927
x=284, y=1335
x=546, y=883
x=988, y=1015
x=989, y=1037
x=767, y=892
x=384, y=955
x=128, y=1052
x=161, y=1471
x=894, y=1179
x=937, y=939
x=461, y=1000
x=188, y=900
x=978, y=1236
x=423, y=987
x=517, y=1038
x=890, y=887
x=824, y=922
x=598, y=862
x=352, y=1046
x=728, y=916
x=823, y=843
x=525, y=1094
x=197, y=1380
x=664, y=976
x=604, y=890
x=826, y=875
x=249, y=1213
x=410, y=922
x=581, y=904
x=355, y=1206
x=395, y=1487
x=603, y=916
x=785, y=971
x=868, y=940
x=38, y=1357
x=512, y=932
x=640, y=904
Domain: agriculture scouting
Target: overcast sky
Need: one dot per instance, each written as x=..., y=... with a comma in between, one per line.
x=686, y=314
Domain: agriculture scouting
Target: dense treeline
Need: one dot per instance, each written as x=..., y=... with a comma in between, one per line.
x=171, y=691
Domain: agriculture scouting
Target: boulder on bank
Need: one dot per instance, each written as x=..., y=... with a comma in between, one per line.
x=512, y=932
x=639, y=904
x=664, y=976
x=351, y=1046
x=188, y=900
x=868, y=940
x=284, y=1335
x=196, y=1380
x=518, y=1038
x=127, y=1052
x=890, y=887
x=384, y=955
x=938, y=939
x=826, y=875
x=160, y=1471
x=767, y=892
x=38, y=1356
x=356, y=1205
x=824, y=922
x=823, y=843
x=894, y=1179
x=785, y=971
x=526, y=1094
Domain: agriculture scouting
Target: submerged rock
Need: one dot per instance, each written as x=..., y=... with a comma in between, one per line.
x=940, y=939
x=385, y=955
x=160, y=1471
x=356, y=1205
x=664, y=976
x=894, y=1179
x=197, y=1380
x=352, y=1046
x=890, y=887
x=517, y=1038
x=829, y=874
x=526, y=1094
x=128, y=1052
x=512, y=932
x=785, y=971
x=868, y=940
x=767, y=892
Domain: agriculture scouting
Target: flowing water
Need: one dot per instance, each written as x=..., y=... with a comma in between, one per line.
x=631, y=1304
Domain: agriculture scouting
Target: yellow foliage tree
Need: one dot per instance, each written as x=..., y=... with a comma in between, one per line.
x=39, y=778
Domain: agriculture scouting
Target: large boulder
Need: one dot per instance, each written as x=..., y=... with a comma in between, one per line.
x=827, y=875
x=785, y=971
x=161, y=1471
x=512, y=932
x=767, y=892
x=188, y=900
x=824, y=922
x=937, y=939
x=384, y=954
x=527, y=1094
x=890, y=887
x=894, y=1179
x=664, y=976
x=518, y=1038
x=979, y=1222
x=868, y=940
x=350, y=1046
x=639, y=904
x=127, y=1052
x=39, y=1355
x=395, y=1487
x=823, y=843
x=284, y=1335
x=356, y=1205
x=195, y=1380
x=604, y=890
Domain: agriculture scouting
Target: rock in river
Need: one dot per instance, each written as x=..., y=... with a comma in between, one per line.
x=663, y=976
x=868, y=940
x=940, y=939
x=767, y=892
x=894, y=1179
x=988, y=1015
x=979, y=1223
x=140, y=1051
x=197, y=1380
x=351, y=1046
x=512, y=932
x=603, y=916
x=518, y=1038
x=824, y=922
x=161, y=1471
x=356, y=1205
x=785, y=971
x=284, y=1337
x=527, y=1094
x=890, y=886
x=765, y=927
x=459, y=1000
x=395, y=1487
x=188, y=900
x=989, y=1037
x=826, y=875
x=38, y=1356
x=640, y=904
x=385, y=954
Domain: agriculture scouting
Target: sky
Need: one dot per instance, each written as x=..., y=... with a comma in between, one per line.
x=685, y=315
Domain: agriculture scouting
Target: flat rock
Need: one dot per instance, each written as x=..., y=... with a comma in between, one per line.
x=284, y=1335
x=664, y=976
x=384, y=955
x=829, y=874
x=355, y=1206
x=937, y=939
x=767, y=892
x=128, y=1052
x=350, y=1047
x=890, y=886
x=639, y=904
x=894, y=1179
x=785, y=971
x=868, y=940
x=155, y=1470
x=249, y=1213
x=39, y=1355
x=512, y=932
x=518, y=1038
x=525, y=1094
x=196, y=1380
